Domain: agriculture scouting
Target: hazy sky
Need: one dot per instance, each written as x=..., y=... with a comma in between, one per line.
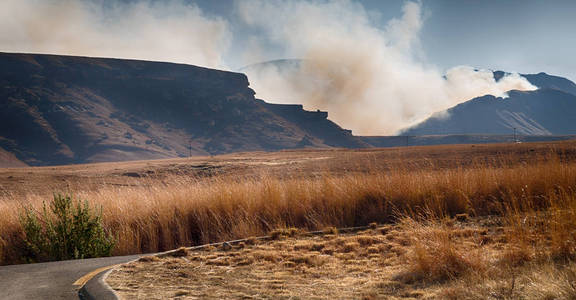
x=377, y=66
x=514, y=35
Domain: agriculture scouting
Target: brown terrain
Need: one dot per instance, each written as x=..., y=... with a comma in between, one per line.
x=165, y=156
x=456, y=222
x=59, y=110
x=9, y=160
x=287, y=163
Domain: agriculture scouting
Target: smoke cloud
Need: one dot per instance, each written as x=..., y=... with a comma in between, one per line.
x=152, y=30
x=371, y=80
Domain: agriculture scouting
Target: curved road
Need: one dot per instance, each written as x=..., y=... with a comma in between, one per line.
x=53, y=280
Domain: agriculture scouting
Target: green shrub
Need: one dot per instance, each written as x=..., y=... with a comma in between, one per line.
x=65, y=229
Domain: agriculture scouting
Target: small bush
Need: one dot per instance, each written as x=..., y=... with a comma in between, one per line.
x=64, y=231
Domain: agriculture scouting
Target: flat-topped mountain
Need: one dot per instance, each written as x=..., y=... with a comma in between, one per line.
x=63, y=109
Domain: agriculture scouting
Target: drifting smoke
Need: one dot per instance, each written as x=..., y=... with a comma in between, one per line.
x=167, y=31
x=370, y=80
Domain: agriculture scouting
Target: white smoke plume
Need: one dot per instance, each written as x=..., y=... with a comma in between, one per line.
x=172, y=30
x=369, y=79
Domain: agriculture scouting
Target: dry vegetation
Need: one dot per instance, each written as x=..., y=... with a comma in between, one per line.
x=321, y=267
x=161, y=205
x=432, y=259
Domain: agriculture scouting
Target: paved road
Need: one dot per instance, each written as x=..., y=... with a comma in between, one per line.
x=53, y=280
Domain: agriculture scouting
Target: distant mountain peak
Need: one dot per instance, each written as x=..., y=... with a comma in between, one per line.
x=550, y=110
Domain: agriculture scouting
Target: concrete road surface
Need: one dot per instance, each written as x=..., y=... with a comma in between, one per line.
x=53, y=280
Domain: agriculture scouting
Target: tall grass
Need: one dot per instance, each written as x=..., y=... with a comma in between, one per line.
x=186, y=211
x=533, y=257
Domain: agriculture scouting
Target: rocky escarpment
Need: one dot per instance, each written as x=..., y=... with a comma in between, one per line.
x=63, y=109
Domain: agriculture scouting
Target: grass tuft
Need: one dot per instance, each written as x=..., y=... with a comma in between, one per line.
x=434, y=254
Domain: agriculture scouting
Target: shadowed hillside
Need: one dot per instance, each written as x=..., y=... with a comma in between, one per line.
x=63, y=109
x=540, y=112
x=550, y=110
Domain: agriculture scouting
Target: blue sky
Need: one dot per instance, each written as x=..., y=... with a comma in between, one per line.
x=514, y=35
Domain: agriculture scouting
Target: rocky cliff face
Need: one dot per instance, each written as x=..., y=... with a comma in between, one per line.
x=62, y=109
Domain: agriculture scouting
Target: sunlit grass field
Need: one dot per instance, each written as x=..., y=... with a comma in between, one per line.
x=308, y=190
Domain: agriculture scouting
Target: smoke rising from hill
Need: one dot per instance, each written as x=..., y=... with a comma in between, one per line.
x=371, y=80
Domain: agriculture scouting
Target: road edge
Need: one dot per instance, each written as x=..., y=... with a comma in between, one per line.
x=97, y=289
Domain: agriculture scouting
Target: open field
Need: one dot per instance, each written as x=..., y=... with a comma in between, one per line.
x=160, y=205
x=289, y=163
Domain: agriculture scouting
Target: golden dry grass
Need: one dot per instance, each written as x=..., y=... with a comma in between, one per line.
x=307, y=189
x=426, y=259
x=319, y=267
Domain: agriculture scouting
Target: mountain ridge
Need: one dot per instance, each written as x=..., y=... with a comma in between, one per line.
x=66, y=109
x=527, y=112
x=545, y=111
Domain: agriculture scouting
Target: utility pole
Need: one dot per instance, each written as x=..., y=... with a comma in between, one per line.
x=190, y=148
x=515, y=140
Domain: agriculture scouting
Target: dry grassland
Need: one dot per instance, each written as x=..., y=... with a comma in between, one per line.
x=153, y=206
x=441, y=259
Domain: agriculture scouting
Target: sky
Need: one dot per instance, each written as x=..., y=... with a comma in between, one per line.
x=376, y=66
x=527, y=36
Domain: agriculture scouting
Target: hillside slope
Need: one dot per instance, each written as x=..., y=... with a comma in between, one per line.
x=532, y=114
x=63, y=109
x=540, y=112
x=546, y=81
x=9, y=160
